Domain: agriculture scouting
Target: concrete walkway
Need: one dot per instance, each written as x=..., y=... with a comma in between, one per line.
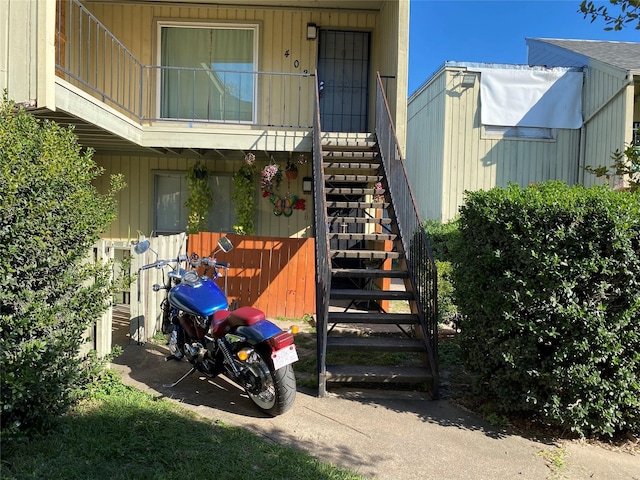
x=379, y=434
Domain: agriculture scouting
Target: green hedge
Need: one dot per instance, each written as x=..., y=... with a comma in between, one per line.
x=50, y=215
x=547, y=279
x=441, y=237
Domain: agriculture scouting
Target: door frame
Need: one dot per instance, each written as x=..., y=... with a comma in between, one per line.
x=365, y=104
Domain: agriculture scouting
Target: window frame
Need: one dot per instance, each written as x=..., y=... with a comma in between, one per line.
x=501, y=132
x=209, y=25
x=182, y=175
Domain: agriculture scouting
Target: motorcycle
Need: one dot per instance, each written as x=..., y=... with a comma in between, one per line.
x=241, y=344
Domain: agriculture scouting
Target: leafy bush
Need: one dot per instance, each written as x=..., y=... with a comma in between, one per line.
x=547, y=279
x=50, y=215
x=441, y=237
x=624, y=170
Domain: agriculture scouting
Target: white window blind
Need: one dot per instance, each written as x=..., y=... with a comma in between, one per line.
x=171, y=193
x=207, y=72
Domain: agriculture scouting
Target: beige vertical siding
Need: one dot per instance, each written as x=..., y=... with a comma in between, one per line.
x=426, y=144
x=17, y=48
x=463, y=159
x=607, y=122
x=27, y=51
x=480, y=163
x=135, y=202
x=391, y=53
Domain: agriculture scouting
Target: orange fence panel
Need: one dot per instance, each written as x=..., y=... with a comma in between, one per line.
x=276, y=275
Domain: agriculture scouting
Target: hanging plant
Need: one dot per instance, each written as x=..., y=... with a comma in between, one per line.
x=291, y=170
x=243, y=196
x=271, y=176
x=200, y=198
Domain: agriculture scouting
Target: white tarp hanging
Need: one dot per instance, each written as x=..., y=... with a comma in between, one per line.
x=531, y=98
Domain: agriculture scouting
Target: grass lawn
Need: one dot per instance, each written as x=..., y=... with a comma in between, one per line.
x=122, y=433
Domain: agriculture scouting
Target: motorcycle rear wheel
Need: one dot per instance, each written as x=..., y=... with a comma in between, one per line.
x=277, y=387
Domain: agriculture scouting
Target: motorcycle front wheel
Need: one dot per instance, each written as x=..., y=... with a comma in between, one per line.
x=273, y=391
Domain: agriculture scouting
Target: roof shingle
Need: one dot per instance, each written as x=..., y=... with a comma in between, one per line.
x=624, y=55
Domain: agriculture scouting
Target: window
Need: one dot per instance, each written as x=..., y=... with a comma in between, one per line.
x=529, y=133
x=207, y=72
x=171, y=191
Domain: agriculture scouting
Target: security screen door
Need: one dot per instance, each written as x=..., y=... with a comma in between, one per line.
x=343, y=70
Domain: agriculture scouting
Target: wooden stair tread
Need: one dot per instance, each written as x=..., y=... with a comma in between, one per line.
x=361, y=294
x=362, y=156
x=366, y=272
x=353, y=191
x=352, y=178
x=364, y=254
x=361, y=236
x=380, y=221
x=377, y=374
x=379, y=344
x=356, y=205
x=373, y=318
x=332, y=165
x=353, y=146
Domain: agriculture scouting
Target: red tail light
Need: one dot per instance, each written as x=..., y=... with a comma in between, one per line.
x=280, y=340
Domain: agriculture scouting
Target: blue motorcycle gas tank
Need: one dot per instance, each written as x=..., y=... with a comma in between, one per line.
x=201, y=297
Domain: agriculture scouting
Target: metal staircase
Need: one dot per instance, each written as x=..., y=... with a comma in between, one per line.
x=370, y=260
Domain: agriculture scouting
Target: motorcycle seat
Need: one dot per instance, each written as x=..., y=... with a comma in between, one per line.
x=219, y=323
x=245, y=316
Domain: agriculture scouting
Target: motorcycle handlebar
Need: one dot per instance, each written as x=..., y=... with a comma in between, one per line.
x=162, y=263
x=194, y=262
x=210, y=262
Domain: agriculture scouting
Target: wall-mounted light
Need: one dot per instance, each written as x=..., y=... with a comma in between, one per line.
x=307, y=184
x=312, y=31
x=468, y=80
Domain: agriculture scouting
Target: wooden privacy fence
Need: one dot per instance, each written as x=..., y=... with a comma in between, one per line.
x=275, y=275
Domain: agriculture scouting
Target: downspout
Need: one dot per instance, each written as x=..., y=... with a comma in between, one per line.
x=583, y=141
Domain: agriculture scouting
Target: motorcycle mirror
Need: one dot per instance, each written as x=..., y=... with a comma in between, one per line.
x=225, y=244
x=141, y=247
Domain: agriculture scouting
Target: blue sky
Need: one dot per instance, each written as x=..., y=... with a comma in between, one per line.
x=492, y=31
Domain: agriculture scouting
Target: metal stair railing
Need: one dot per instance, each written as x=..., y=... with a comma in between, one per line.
x=323, y=264
x=418, y=254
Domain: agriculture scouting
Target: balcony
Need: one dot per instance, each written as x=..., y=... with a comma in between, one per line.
x=90, y=58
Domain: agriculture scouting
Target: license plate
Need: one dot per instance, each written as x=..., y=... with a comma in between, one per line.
x=284, y=356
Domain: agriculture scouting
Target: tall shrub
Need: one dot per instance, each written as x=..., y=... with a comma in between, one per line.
x=50, y=215
x=441, y=237
x=547, y=279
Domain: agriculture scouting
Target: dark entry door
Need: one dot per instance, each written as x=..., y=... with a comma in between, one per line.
x=343, y=68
